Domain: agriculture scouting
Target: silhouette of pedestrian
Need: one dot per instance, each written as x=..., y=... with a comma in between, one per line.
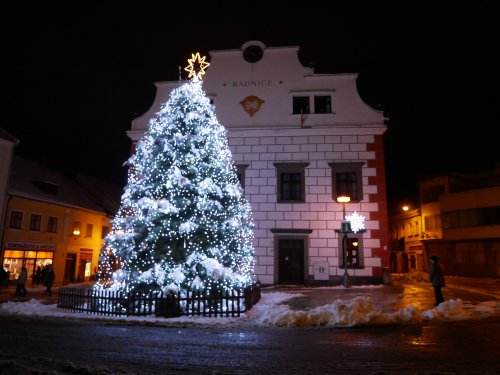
x=3, y=276
x=21, y=282
x=38, y=275
x=44, y=273
x=436, y=277
x=49, y=280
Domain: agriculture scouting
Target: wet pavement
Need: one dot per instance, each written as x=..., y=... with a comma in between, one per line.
x=68, y=346
x=37, y=292
x=403, y=291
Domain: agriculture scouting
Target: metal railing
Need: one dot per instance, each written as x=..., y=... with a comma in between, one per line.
x=192, y=303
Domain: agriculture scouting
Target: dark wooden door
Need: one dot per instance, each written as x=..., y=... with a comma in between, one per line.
x=291, y=261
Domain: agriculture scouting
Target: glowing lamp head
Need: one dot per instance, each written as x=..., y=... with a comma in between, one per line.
x=76, y=229
x=343, y=199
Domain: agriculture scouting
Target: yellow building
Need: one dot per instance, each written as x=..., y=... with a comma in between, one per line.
x=458, y=220
x=407, y=254
x=461, y=221
x=7, y=144
x=51, y=219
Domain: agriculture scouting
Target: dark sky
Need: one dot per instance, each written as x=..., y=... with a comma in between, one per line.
x=74, y=78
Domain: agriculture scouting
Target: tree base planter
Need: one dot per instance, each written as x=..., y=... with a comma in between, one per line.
x=168, y=307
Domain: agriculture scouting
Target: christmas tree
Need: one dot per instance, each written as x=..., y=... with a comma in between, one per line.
x=183, y=223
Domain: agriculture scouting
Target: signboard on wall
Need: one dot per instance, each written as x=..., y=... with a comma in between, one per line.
x=21, y=245
x=85, y=254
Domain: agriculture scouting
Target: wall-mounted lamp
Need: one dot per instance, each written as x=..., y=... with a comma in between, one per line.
x=343, y=199
x=76, y=229
x=345, y=228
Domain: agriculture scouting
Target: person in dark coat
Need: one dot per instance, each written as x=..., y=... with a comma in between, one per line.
x=436, y=277
x=21, y=283
x=4, y=276
x=49, y=280
x=38, y=276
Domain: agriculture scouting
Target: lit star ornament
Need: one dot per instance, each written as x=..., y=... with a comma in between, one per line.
x=357, y=221
x=197, y=66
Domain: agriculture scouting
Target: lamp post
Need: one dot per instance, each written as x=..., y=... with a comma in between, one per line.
x=345, y=228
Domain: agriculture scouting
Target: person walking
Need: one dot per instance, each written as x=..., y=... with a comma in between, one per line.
x=49, y=280
x=21, y=283
x=38, y=275
x=436, y=277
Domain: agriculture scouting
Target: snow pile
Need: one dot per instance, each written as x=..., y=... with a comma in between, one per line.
x=359, y=311
x=341, y=313
x=273, y=311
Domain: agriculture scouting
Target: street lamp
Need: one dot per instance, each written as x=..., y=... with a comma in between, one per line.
x=345, y=228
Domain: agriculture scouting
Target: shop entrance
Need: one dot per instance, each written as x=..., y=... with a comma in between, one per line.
x=69, y=269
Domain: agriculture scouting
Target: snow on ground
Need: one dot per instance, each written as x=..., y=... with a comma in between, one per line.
x=272, y=310
x=359, y=311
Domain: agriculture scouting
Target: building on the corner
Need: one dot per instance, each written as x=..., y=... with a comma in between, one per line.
x=407, y=250
x=458, y=220
x=7, y=145
x=299, y=140
x=52, y=219
x=461, y=221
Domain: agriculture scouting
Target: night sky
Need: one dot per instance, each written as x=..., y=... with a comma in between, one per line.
x=74, y=78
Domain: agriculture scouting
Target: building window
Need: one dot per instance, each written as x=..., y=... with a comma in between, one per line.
x=46, y=187
x=352, y=246
x=322, y=104
x=16, y=220
x=432, y=193
x=52, y=224
x=35, y=222
x=472, y=217
x=89, y=229
x=347, y=180
x=240, y=172
x=253, y=54
x=291, y=182
x=105, y=231
x=432, y=222
x=14, y=260
x=300, y=105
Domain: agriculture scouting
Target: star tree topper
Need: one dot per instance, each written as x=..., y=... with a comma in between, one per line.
x=197, y=66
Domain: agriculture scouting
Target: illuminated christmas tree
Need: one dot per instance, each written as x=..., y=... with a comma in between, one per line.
x=183, y=223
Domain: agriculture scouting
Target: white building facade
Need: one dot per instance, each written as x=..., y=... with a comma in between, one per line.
x=299, y=140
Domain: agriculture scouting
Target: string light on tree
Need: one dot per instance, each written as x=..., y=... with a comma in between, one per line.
x=183, y=223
